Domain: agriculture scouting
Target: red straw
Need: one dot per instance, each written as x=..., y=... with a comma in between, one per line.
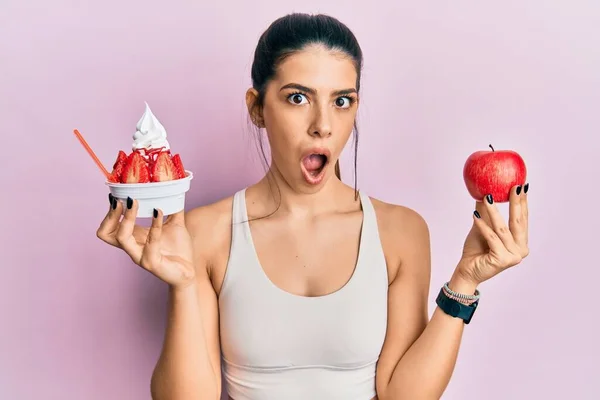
x=91, y=153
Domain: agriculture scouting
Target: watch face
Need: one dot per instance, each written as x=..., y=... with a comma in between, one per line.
x=454, y=308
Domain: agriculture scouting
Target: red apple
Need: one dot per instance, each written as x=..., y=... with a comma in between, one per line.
x=493, y=172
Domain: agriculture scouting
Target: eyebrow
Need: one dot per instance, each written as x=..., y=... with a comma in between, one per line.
x=313, y=91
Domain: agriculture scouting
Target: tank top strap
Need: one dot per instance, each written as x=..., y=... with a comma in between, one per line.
x=239, y=213
x=240, y=253
x=241, y=238
x=370, y=233
x=369, y=216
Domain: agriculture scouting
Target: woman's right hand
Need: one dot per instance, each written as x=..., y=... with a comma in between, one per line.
x=164, y=249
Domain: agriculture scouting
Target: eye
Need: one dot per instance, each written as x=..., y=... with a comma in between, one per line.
x=343, y=102
x=297, y=98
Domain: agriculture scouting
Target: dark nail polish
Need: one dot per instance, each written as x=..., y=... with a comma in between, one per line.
x=110, y=198
x=155, y=213
x=526, y=188
x=490, y=199
x=476, y=213
x=129, y=203
x=519, y=190
x=114, y=203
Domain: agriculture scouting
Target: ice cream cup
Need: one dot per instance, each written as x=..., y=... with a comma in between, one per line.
x=168, y=196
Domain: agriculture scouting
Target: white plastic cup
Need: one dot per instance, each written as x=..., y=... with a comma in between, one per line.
x=168, y=196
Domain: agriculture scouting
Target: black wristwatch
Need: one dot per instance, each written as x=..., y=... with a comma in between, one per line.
x=455, y=308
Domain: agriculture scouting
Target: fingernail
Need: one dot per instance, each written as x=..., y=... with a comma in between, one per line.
x=155, y=213
x=526, y=188
x=129, y=203
x=110, y=198
x=490, y=199
x=476, y=213
x=519, y=190
x=114, y=203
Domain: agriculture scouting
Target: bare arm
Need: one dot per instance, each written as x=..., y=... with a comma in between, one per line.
x=418, y=357
x=424, y=370
x=189, y=364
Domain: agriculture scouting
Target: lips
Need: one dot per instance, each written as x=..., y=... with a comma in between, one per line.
x=314, y=163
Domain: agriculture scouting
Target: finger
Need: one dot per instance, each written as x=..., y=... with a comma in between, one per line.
x=514, y=204
x=524, y=202
x=516, y=222
x=140, y=234
x=499, y=226
x=151, y=254
x=499, y=256
x=125, y=232
x=525, y=212
x=109, y=225
x=482, y=210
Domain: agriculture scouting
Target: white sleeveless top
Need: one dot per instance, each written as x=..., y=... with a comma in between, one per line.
x=281, y=346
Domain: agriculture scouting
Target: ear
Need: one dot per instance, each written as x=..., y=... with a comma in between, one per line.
x=254, y=109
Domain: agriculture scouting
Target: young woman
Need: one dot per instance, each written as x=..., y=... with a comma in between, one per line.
x=299, y=286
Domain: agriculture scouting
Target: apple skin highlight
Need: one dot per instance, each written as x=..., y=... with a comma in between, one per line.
x=494, y=172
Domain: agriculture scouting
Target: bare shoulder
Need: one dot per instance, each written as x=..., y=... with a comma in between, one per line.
x=404, y=234
x=205, y=219
x=210, y=228
x=398, y=219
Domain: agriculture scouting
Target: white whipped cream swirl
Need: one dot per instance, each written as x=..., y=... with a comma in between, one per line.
x=150, y=134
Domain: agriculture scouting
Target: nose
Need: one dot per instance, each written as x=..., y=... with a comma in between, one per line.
x=321, y=122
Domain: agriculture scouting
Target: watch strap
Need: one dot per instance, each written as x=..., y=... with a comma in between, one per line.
x=455, y=308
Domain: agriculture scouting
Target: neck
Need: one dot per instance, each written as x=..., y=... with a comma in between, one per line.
x=276, y=193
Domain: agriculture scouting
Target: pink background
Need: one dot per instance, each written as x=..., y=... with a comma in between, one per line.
x=441, y=80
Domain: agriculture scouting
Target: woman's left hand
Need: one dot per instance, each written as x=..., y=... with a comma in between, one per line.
x=492, y=246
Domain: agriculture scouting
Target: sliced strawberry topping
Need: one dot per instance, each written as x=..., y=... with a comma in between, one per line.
x=178, y=166
x=122, y=156
x=117, y=171
x=143, y=166
x=135, y=169
x=152, y=154
x=163, y=168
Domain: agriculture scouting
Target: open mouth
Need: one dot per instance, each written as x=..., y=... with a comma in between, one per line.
x=313, y=166
x=315, y=163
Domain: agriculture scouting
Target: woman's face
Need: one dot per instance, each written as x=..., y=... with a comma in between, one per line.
x=308, y=112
